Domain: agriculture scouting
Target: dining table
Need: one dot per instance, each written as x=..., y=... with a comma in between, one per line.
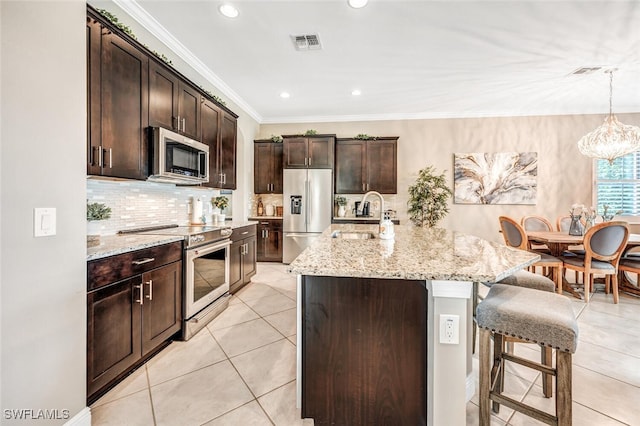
x=558, y=242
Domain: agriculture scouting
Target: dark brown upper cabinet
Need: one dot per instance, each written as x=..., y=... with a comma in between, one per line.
x=219, y=131
x=366, y=165
x=267, y=167
x=118, y=105
x=308, y=152
x=173, y=103
x=227, y=152
x=130, y=89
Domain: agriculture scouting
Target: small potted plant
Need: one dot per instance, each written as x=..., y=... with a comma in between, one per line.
x=342, y=203
x=95, y=213
x=428, y=198
x=219, y=203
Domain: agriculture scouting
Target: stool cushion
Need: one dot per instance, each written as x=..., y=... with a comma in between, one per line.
x=547, y=258
x=538, y=316
x=529, y=280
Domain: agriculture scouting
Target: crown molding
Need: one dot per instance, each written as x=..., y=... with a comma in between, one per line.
x=137, y=12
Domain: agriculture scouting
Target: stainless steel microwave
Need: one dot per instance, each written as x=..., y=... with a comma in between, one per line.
x=178, y=159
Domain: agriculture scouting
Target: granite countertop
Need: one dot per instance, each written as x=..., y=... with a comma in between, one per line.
x=111, y=245
x=414, y=254
x=265, y=217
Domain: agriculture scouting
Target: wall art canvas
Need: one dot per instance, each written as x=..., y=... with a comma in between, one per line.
x=496, y=178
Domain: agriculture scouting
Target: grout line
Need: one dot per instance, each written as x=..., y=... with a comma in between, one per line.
x=153, y=411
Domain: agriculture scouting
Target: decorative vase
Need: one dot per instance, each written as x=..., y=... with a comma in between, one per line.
x=215, y=211
x=341, y=211
x=575, y=228
x=93, y=232
x=588, y=223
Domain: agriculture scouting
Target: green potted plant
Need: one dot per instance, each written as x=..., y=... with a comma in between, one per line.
x=342, y=203
x=95, y=213
x=219, y=203
x=428, y=198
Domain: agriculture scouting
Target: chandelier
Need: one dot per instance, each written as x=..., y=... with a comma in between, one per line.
x=612, y=139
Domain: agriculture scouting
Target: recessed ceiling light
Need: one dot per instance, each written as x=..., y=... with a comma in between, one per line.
x=228, y=11
x=357, y=4
x=356, y=92
x=284, y=95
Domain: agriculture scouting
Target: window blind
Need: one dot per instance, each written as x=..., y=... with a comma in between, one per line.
x=618, y=184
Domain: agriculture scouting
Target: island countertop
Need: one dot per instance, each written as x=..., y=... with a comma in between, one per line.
x=414, y=254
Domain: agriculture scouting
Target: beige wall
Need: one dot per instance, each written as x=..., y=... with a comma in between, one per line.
x=43, y=137
x=564, y=175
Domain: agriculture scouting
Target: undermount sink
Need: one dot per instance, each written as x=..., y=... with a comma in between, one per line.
x=353, y=235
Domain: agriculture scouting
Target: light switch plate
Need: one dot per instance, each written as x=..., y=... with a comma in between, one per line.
x=44, y=221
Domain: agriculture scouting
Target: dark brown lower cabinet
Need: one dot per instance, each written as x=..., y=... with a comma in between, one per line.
x=129, y=319
x=364, y=351
x=270, y=241
x=242, y=257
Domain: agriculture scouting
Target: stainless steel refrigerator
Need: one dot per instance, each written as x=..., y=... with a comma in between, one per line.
x=308, y=203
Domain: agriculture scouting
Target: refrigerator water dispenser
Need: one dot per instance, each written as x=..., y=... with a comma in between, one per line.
x=296, y=204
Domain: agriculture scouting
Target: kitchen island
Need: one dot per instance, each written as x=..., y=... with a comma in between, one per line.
x=369, y=310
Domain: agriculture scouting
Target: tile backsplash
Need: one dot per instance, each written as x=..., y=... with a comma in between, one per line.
x=138, y=204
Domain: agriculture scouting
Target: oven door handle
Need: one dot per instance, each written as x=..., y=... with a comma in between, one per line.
x=206, y=249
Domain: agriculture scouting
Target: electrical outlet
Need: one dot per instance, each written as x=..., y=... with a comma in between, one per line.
x=450, y=329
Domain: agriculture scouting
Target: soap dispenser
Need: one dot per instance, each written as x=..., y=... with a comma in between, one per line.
x=386, y=228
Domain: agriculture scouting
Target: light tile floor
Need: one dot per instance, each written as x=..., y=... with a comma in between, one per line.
x=241, y=368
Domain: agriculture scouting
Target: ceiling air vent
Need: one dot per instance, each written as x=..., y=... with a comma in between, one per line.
x=306, y=42
x=586, y=70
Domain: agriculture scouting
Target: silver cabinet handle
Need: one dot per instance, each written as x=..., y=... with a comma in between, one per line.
x=179, y=121
x=143, y=261
x=245, y=233
x=363, y=186
x=140, y=298
x=305, y=161
x=100, y=156
x=110, y=158
x=266, y=232
x=184, y=124
x=150, y=284
x=309, y=161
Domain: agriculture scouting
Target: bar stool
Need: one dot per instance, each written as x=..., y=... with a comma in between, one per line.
x=536, y=316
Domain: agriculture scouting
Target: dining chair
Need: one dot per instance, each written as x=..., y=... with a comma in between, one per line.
x=515, y=236
x=603, y=245
x=537, y=223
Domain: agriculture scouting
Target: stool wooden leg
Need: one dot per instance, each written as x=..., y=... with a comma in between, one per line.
x=497, y=372
x=485, y=376
x=563, y=388
x=614, y=284
x=546, y=359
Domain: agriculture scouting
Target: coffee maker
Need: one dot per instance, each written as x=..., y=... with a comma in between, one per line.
x=365, y=209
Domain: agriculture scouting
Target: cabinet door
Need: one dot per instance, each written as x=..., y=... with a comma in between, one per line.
x=273, y=243
x=262, y=241
x=235, y=266
x=189, y=111
x=162, y=307
x=163, y=97
x=227, y=163
x=321, y=152
x=249, y=259
x=124, y=109
x=113, y=331
x=94, y=29
x=277, y=166
x=381, y=166
x=210, y=124
x=295, y=153
x=262, y=168
x=350, y=167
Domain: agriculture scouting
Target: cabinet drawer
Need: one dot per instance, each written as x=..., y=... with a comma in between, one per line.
x=115, y=268
x=243, y=232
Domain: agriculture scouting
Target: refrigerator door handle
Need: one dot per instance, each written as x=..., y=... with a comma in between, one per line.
x=307, y=187
x=310, y=210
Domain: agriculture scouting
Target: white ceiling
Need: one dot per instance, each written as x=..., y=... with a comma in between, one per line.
x=410, y=59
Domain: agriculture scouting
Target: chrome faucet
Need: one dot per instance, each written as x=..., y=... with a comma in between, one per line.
x=364, y=197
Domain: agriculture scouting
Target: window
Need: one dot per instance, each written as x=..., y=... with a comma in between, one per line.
x=618, y=184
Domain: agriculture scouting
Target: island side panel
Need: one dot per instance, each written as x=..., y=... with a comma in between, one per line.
x=364, y=351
